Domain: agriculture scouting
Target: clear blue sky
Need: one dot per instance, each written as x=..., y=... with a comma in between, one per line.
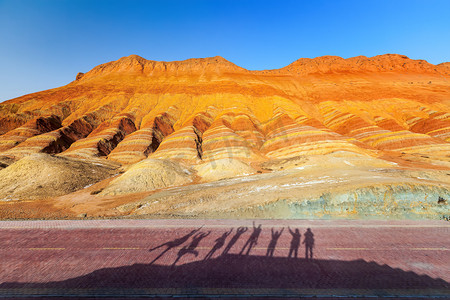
x=44, y=43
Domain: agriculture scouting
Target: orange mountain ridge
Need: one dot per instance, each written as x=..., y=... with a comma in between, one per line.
x=302, y=66
x=200, y=120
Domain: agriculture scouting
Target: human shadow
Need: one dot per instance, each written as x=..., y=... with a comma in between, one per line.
x=172, y=244
x=239, y=275
x=309, y=243
x=220, y=241
x=252, y=240
x=240, y=231
x=190, y=249
x=295, y=242
x=273, y=242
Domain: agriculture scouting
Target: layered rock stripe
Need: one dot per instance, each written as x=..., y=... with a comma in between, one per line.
x=351, y=125
x=60, y=139
x=288, y=138
x=232, y=136
x=201, y=110
x=139, y=144
x=32, y=128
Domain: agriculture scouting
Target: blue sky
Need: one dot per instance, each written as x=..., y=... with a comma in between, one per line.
x=44, y=43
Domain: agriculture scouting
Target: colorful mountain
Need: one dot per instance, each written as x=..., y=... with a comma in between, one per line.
x=378, y=127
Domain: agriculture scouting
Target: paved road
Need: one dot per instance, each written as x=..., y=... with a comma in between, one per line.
x=224, y=257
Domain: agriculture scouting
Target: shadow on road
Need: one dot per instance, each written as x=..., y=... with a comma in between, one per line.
x=273, y=242
x=295, y=242
x=309, y=244
x=240, y=231
x=220, y=241
x=244, y=271
x=191, y=248
x=172, y=244
x=252, y=240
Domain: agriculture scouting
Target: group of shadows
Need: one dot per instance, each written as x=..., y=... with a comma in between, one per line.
x=221, y=269
x=252, y=241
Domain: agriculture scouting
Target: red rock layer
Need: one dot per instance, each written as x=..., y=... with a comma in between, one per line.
x=103, y=139
x=248, y=127
x=31, y=128
x=437, y=125
x=389, y=124
x=232, y=136
x=139, y=144
x=55, y=141
x=10, y=120
x=287, y=138
x=351, y=125
x=185, y=144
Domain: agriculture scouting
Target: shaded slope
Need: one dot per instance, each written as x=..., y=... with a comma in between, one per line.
x=55, y=141
x=32, y=128
x=253, y=276
x=185, y=144
x=103, y=139
x=139, y=144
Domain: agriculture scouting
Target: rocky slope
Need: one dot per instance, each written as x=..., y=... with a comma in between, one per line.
x=320, y=137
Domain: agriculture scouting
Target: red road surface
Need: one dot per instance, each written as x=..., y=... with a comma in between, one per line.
x=113, y=258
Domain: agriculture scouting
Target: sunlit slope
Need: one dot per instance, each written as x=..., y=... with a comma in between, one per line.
x=169, y=124
x=413, y=94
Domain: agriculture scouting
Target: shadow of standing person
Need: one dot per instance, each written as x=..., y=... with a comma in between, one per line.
x=237, y=235
x=191, y=247
x=309, y=243
x=273, y=242
x=220, y=241
x=252, y=240
x=172, y=244
x=295, y=242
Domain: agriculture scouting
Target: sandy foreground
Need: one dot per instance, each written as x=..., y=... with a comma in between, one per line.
x=320, y=187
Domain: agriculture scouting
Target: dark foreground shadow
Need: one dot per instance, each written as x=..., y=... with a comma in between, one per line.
x=249, y=272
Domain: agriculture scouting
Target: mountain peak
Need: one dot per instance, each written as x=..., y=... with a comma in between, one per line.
x=379, y=63
x=135, y=64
